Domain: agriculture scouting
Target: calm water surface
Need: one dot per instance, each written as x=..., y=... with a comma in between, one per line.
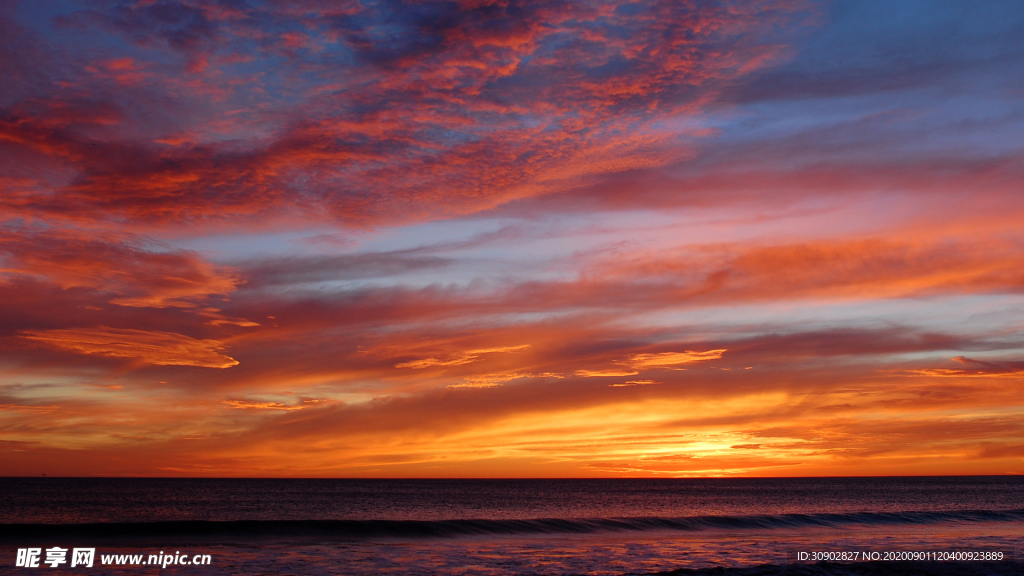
x=515, y=526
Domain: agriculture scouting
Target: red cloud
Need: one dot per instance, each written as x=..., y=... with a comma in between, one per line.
x=540, y=94
x=132, y=275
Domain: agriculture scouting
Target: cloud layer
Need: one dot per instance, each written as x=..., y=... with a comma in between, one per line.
x=505, y=239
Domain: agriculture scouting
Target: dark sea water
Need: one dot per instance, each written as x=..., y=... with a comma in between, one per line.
x=362, y=527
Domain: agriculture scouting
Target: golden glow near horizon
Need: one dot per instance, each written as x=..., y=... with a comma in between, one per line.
x=578, y=240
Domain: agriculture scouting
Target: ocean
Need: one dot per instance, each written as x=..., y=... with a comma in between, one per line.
x=922, y=525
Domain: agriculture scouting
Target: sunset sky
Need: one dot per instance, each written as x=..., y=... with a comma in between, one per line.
x=504, y=239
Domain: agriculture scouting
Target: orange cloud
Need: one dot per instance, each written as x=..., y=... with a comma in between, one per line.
x=641, y=361
x=637, y=362
x=28, y=409
x=458, y=359
x=634, y=383
x=701, y=423
x=161, y=348
x=975, y=369
x=260, y=405
x=602, y=373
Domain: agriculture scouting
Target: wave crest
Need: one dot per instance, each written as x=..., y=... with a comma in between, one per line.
x=404, y=529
